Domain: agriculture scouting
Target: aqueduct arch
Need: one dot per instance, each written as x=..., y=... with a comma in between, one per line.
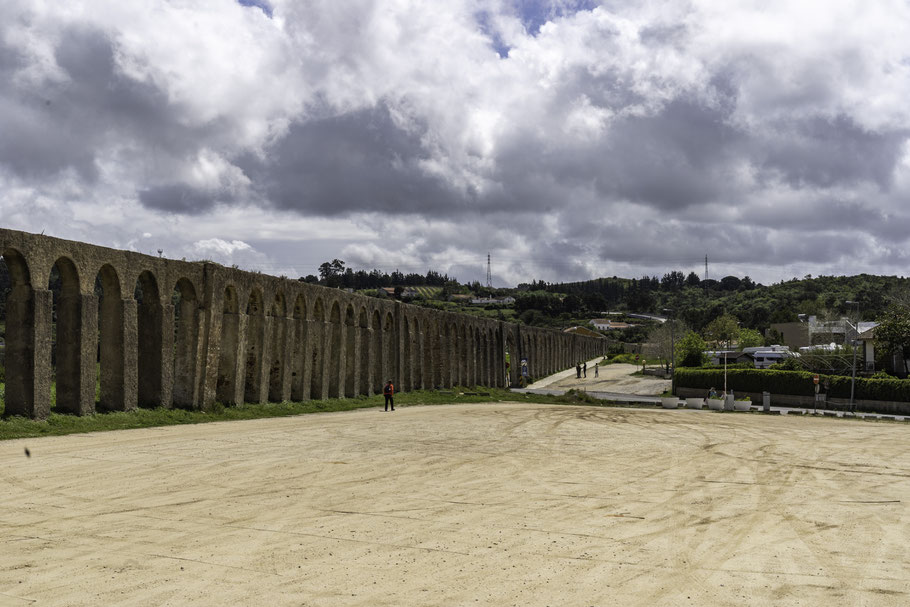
x=157, y=332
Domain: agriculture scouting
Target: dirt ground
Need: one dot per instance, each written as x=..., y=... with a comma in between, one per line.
x=612, y=378
x=491, y=504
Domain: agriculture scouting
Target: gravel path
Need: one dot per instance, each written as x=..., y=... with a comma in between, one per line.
x=488, y=504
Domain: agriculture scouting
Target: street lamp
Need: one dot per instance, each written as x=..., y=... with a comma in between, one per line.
x=668, y=312
x=853, y=342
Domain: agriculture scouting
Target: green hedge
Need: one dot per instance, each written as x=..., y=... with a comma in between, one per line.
x=797, y=383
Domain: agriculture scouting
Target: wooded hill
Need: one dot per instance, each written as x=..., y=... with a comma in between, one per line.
x=698, y=302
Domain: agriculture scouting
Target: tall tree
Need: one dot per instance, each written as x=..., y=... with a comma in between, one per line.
x=690, y=350
x=664, y=338
x=724, y=330
x=750, y=338
x=892, y=335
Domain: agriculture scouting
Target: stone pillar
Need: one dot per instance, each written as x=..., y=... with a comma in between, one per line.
x=265, y=360
x=200, y=366
x=327, y=357
x=426, y=351
x=185, y=355
x=363, y=356
x=130, y=354
x=298, y=357
x=28, y=353
x=311, y=338
x=167, y=355
x=237, y=391
x=77, y=345
x=347, y=364
x=209, y=334
x=153, y=372
x=287, y=359
x=119, y=363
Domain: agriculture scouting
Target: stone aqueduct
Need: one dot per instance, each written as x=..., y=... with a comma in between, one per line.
x=162, y=332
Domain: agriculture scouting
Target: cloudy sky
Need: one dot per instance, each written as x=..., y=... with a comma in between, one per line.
x=570, y=139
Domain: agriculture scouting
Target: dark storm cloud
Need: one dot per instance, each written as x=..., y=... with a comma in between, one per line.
x=633, y=132
x=826, y=152
x=178, y=198
x=34, y=141
x=69, y=123
x=359, y=161
x=674, y=158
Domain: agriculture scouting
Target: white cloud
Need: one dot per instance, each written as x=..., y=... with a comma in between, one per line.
x=629, y=138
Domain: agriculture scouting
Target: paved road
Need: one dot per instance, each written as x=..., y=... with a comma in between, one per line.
x=617, y=383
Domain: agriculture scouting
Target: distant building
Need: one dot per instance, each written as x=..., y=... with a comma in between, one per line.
x=717, y=357
x=583, y=331
x=813, y=332
x=496, y=301
x=406, y=292
x=605, y=324
x=461, y=298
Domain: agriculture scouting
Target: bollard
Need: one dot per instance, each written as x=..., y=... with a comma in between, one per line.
x=728, y=403
x=766, y=402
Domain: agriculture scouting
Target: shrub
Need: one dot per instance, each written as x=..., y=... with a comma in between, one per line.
x=797, y=383
x=690, y=351
x=629, y=359
x=790, y=363
x=578, y=396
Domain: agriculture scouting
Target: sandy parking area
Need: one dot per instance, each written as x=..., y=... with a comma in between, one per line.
x=611, y=378
x=494, y=504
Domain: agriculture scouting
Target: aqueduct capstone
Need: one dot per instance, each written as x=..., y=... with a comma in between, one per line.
x=125, y=329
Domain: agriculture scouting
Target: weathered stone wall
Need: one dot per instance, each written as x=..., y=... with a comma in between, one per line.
x=189, y=334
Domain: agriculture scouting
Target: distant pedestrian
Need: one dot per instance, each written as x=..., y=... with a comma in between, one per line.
x=389, y=391
x=596, y=370
x=584, y=369
x=578, y=370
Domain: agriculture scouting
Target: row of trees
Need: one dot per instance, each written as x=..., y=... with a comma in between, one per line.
x=675, y=336
x=698, y=302
x=892, y=343
x=335, y=274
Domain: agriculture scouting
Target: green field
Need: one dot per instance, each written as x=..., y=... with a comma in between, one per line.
x=57, y=424
x=428, y=292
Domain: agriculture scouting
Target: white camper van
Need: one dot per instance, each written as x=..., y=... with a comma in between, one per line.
x=765, y=356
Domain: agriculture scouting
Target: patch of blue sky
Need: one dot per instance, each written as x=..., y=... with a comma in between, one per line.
x=262, y=5
x=535, y=13
x=486, y=26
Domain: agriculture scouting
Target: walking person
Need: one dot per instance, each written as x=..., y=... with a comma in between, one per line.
x=389, y=391
x=578, y=370
x=596, y=370
x=584, y=369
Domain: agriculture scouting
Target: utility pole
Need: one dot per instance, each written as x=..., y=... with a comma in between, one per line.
x=854, y=343
x=705, y=281
x=669, y=314
x=489, y=273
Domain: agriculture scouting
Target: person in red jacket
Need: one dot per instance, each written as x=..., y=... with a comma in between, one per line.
x=389, y=391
